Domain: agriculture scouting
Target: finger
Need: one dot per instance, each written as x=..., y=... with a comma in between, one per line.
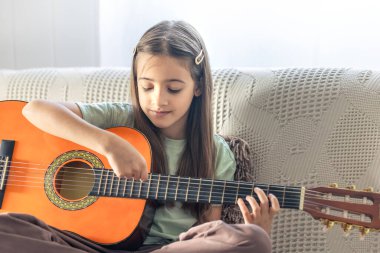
x=245, y=211
x=263, y=200
x=256, y=210
x=144, y=173
x=275, y=208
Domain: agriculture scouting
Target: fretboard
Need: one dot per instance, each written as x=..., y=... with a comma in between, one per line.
x=186, y=189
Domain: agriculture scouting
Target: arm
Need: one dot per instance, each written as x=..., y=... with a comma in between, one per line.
x=65, y=120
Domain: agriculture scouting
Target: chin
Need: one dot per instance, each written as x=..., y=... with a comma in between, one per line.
x=159, y=124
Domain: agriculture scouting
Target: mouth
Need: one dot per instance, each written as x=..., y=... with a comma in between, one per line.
x=159, y=113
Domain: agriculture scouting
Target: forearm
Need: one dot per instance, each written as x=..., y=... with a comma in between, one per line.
x=58, y=120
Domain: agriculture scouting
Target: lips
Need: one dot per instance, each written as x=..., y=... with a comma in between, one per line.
x=159, y=113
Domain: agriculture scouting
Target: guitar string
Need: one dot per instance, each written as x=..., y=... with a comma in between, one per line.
x=227, y=195
x=127, y=185
x=88, y=173
x=242, y=184
x=288, y=188
x=316, y=204
x=86, y=169
x=191, y=194
x=100, y=169
x=201, y=193
x=307, y=204
x=91, y=174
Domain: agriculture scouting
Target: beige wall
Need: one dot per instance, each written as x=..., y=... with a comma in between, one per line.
x=47, y=33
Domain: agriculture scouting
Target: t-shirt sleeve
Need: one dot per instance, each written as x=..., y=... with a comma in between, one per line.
x=225, y=160
x=107, y=114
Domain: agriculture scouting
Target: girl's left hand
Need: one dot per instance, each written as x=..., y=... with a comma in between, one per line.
x=261, y=215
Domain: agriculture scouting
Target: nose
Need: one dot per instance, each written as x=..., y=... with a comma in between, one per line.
x=159, y=97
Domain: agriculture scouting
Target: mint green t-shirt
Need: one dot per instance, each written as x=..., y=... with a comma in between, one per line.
x=168, y=221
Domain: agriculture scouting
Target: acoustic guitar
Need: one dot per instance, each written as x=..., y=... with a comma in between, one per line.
x=73, y=188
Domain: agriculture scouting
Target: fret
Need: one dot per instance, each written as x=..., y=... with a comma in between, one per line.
x=111, y=188
x=209, y=197
x=167, y=185
x=129, y=187
x=162, y=194
x=133, y=182
x=182, y=188
x=106, y=183
x=158, y=185
x=150, y=179
x=283, y=194
x=245, y=189
x=144, y=189
x=199, y=189
x=187, y=190
x=217, y=192
x=230, y=192
x=176, y=189
x=135, y=188
x=194, y=189
x=100, y=180
x=279, y=192
x=118, y=185
x=294, y=197
x=172, y=187
x=125, y=186
x=205, y=187
x=153, y=186
x=140, y=181
x=224, y=190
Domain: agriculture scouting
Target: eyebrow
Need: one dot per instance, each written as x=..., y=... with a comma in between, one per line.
x=166, y=81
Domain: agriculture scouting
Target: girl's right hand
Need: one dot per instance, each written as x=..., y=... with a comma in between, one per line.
x=124, y=159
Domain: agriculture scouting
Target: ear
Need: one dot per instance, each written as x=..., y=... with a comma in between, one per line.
x=197, y=92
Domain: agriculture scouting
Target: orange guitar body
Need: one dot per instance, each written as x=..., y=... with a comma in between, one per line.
x=106, y=221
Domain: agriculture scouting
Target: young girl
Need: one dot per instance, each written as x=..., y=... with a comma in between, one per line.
x=171, y=91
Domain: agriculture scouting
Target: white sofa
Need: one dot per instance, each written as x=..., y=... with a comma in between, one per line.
x=305, y=127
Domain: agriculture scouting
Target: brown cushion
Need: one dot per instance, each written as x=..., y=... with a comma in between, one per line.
x=244, y=172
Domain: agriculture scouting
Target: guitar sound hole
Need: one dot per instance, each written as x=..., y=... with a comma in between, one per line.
x=74, y=180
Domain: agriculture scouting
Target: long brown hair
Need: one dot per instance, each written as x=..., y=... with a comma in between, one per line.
x=179, y=39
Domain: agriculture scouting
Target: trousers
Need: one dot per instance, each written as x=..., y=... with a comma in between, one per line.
x=25, y=233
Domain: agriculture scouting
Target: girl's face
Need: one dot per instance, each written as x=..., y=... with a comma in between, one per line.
x=166, y=90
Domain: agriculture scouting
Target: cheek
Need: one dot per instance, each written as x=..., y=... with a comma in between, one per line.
x=142, y=98
x=185, y=102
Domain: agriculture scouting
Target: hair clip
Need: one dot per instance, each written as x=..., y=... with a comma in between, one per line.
x=199, y=58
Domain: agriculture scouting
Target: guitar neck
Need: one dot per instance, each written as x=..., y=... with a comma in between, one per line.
x=187, y=189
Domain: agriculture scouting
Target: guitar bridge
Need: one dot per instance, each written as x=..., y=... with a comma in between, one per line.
x=6, y=153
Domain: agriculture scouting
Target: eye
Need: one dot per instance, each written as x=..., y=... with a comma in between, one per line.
x=146, y=88
x=174, y=91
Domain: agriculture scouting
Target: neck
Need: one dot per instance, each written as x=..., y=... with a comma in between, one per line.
x=186, y=189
